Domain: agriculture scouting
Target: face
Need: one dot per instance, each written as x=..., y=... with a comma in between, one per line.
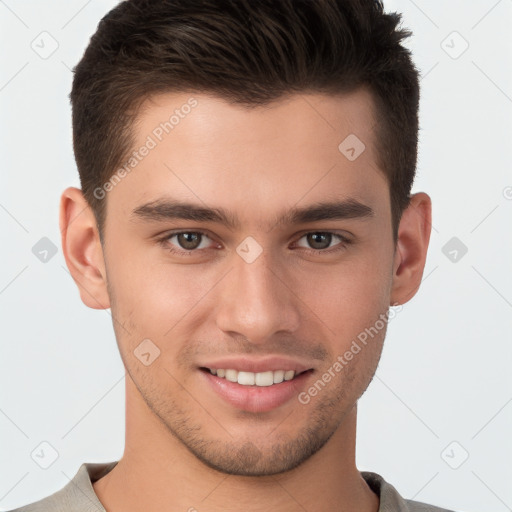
x=220, y=250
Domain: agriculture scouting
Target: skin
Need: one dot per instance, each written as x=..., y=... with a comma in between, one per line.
x=186, y=448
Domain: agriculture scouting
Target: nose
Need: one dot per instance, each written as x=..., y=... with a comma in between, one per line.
x=257, y=300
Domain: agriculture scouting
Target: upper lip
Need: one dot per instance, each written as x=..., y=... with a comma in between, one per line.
x=256, y=365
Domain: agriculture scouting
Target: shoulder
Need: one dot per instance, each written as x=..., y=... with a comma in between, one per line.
x=417, y=506
x=391, y=500
x=57, y=502
x=77, y=495
x=50, y=503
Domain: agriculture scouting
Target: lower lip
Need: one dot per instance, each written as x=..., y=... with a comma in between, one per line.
x=257, y=398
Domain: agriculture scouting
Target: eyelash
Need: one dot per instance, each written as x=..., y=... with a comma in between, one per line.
x=344, y=242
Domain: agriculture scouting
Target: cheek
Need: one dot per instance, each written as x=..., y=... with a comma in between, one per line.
x=158, y=301
x=348, y=298
x=143, y=282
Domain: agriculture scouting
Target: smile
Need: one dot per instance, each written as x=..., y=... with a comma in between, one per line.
x=263, y=379
x=258, y=391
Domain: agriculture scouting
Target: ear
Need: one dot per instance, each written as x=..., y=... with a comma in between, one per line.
x=411, y=249
x=82, y=248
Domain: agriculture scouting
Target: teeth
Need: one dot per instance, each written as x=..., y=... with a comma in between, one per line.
x=278, y=376
x=246, y=378
x=264, y=378
x=232, y=375
x=250, y=378
x=289, y=375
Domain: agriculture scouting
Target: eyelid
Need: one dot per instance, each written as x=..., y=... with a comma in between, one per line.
x=344, y=241
x=345, y=235
x=170, y=234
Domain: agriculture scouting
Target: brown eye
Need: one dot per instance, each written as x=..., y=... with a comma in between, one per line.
x=323, y=242
x=189, y=240
x=186, y=241
x=319, y=240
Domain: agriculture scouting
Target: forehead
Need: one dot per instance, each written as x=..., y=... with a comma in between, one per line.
x=300, y=148
x=311, y=121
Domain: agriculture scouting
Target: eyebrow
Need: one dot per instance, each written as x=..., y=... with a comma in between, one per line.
x=170, y=209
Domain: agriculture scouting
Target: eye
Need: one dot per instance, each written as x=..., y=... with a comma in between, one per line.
x=188, y=243
x=185, y=241
x=319, y=241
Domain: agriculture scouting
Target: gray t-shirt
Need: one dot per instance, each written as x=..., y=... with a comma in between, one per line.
x=79, y=496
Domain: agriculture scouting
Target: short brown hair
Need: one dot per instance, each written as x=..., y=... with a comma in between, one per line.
x=248, y=52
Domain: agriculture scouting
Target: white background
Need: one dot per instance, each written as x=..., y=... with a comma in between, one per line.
x=444, y=375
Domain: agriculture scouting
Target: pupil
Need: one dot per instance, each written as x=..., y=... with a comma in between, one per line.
x=316, y=238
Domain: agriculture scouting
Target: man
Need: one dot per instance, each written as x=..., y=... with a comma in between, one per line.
x=245, y=212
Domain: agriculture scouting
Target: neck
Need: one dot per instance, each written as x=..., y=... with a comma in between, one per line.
x=158, y=473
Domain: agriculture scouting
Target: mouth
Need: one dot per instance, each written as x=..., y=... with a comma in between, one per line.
x=266, y=388
x=259, y=379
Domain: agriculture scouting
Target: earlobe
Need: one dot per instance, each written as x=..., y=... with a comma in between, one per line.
x=82, y=248
x=411, y=250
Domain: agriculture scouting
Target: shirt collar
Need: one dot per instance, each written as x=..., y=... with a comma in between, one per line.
x=79, y=496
